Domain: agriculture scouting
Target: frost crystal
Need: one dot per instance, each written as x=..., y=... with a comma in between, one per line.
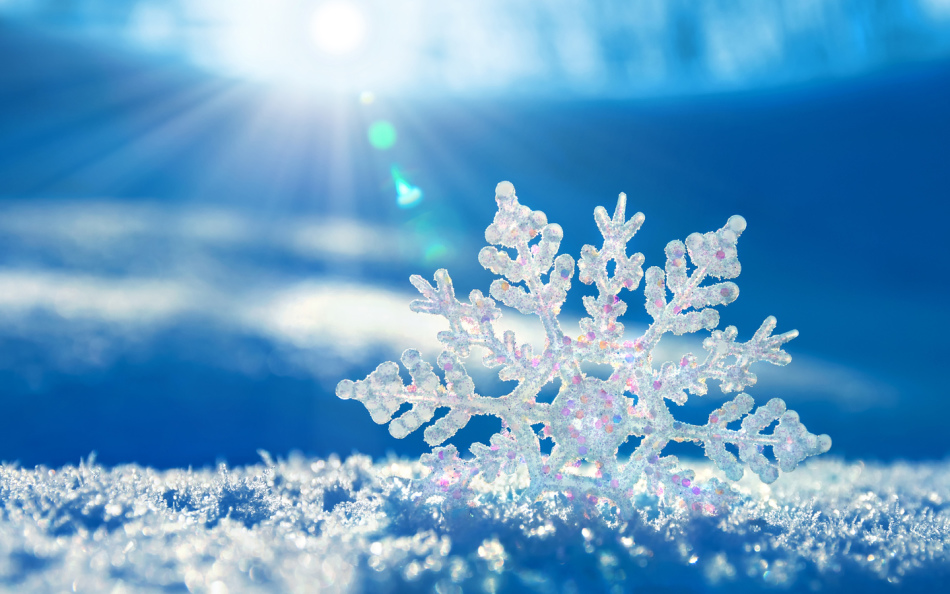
x=591, y=418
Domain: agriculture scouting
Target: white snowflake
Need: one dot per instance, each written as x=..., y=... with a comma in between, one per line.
x=590, y=418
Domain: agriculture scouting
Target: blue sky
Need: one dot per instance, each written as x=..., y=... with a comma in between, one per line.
x=198, y=239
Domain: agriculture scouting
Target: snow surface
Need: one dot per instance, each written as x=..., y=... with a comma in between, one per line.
x=305, y=525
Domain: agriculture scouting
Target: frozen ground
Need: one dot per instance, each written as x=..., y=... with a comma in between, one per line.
x=303, y=525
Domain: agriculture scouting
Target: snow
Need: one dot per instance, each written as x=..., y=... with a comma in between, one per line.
x=301, y=525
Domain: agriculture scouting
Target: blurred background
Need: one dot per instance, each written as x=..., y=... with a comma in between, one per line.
x=209, y=209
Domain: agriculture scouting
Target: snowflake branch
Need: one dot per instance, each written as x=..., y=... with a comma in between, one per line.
x=383, y=393
x=763, y=346
x=689, y=376
x=713, y=254
x=471, y=325
x=790, y=441
x=515, y=226
x=607, y=306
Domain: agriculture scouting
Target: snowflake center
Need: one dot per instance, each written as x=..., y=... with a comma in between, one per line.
x=588, y=416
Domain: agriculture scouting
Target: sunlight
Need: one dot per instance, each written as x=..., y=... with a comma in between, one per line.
x=543, y=49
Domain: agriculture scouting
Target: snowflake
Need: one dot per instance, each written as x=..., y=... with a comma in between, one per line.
x=590, y=418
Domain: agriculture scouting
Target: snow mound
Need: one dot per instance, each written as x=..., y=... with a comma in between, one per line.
x=302, y=525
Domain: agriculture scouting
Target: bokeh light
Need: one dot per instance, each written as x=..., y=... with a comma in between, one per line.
x=382, y=135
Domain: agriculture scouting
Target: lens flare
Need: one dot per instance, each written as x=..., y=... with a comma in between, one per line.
x=435, y=252
x=407, y=195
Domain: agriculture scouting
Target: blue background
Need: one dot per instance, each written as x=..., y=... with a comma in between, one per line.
x=841, y=169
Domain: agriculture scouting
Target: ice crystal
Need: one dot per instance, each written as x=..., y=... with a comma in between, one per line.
x=590, y=418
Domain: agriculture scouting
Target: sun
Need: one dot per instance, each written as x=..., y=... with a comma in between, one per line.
x=338, y=28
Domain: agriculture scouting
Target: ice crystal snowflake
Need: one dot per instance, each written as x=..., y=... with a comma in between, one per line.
x=590, y=418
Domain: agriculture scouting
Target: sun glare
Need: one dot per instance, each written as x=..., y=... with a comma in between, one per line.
x=338, y=27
